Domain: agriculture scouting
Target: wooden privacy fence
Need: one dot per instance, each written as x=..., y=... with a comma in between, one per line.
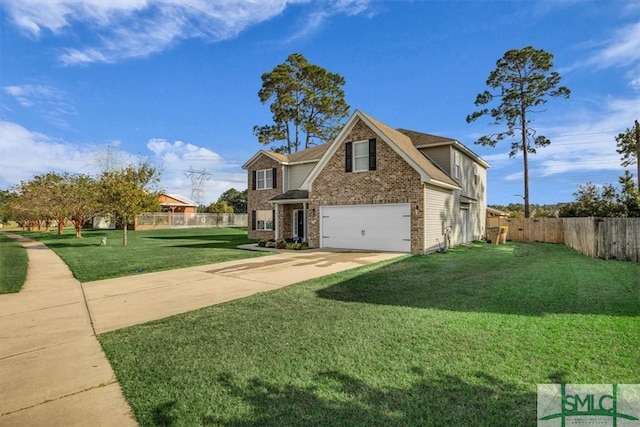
x=608, y=238
x=549, y=230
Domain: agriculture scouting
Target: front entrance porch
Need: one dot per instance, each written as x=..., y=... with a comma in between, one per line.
x=291, y=215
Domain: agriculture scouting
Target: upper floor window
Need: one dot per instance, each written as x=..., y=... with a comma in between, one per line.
x=360, y=156
x=457, y=164
x=264, y=179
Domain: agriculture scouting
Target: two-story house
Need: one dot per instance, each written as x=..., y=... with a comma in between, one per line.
x=371, y=188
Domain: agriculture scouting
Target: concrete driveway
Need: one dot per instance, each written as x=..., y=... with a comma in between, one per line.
x=127, y=301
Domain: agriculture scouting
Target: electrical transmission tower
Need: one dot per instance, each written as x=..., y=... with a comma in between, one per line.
x=109, y=160
x=198, y=177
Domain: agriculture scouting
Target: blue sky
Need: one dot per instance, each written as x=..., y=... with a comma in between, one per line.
x=176, y=81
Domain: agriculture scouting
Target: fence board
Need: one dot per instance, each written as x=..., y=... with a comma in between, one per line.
x=608, y=238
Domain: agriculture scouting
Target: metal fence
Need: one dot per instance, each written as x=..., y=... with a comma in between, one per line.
x=153, y=220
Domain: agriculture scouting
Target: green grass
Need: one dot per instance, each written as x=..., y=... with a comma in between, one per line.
x=13, y=265
x=146, y=251
x=460, y=339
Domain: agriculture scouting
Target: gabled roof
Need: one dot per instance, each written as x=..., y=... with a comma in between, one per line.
x=280, y=158
x=398, y=141
x=182, y=201
x=426, y=140
x=309, y=155
x=420, y=139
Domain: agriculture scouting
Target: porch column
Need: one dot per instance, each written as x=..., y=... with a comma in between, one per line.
x=306, y=219
x=275, y=223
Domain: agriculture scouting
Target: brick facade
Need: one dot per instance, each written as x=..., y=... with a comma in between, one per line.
x=433, y=207
x=259, y=199
x=393, y=181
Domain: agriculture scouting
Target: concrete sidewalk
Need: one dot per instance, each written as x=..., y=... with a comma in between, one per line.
x=52, y=369
x=126, y=301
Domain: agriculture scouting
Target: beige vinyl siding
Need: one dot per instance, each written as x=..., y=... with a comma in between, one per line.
x=439, y=213
x=441, y=156
x=297, y=174
x=474, y=187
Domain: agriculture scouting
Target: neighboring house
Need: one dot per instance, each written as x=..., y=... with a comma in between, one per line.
x=176, y=203
x=496, y=213
x=371, y=188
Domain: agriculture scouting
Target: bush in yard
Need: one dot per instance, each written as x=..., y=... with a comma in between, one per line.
x=281, y=244
x=297, y=246
x=262, y=243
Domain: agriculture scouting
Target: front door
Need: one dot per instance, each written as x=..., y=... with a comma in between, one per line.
x=299, y=224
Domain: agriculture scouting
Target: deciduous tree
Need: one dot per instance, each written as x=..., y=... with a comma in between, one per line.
x=305, y=99
x=520, y=84
x=218, y=208
x=129, y=191
x=82, y=200
x=236, y=199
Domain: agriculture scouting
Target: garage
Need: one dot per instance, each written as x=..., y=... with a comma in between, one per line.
x=385, y=227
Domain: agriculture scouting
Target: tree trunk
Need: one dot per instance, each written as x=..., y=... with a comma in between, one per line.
x=638, y=152
x=124, y=231
x=525, y=158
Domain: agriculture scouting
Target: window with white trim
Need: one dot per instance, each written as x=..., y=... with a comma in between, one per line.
x=264, y=220
x=361, y=156
x=264, y=179
x=457, y=168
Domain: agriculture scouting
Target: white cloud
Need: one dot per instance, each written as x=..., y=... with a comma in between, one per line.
x=138, y=28
x=24, y=153
x=178, y=158
x=583, y=144
x=621, y=50
x=179, y=151
x=50, y=102
x=325, y=10
x=587, y=143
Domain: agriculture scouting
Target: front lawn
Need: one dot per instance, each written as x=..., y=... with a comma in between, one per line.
x=146, y=251
x=13, y=265
x=460, y=339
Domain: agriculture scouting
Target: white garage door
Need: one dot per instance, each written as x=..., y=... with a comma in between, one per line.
x=367, y=227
